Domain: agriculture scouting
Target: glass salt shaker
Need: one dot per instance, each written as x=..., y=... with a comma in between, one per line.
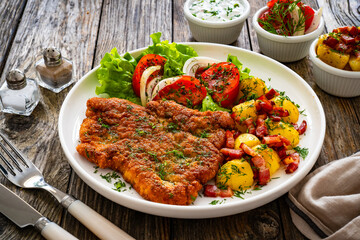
x=54, y=72
x=18, y=94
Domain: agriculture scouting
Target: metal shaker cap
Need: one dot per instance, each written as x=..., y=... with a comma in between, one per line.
x=52, y=56
x=16, y=79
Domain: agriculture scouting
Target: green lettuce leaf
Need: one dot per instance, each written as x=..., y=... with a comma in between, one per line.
x=208, y=104
x=115, y=73
x=115, y=76
x=244, y=74
x=176, y=54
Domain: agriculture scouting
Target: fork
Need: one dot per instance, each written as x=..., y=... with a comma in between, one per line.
x=27, y=175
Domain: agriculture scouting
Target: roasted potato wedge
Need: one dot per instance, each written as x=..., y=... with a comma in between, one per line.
x=288, y=105
x=237, y=174
x=252, y=88
x=332, y=57
x=247, y=138
x=244, y=111
x=270, y=156
x=284, y=129
x=354, y=63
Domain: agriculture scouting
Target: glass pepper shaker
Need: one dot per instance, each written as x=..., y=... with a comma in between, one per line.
x=18, y=94
x=54, y=72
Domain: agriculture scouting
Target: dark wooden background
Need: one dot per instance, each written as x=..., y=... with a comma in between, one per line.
x=84, y=30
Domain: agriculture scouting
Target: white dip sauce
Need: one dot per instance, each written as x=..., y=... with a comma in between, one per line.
x=216, y=10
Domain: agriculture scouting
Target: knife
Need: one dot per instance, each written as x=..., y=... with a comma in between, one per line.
x=22, y=214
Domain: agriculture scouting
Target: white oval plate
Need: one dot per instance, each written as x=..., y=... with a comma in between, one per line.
x=273, y=73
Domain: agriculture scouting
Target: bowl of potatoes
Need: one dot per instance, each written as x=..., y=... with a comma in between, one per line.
x=336, y=62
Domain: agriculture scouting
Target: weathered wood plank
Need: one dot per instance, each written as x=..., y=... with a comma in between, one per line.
x=10, y=14
x=259, y=223
x=71, y=26
x=127, y=26
x=340, y=13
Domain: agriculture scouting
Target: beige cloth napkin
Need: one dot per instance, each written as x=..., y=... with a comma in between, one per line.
x=326, y=204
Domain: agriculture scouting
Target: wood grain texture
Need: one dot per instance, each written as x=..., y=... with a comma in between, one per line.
x=127, y=25
x=85, y=31
x=10, y=15
x=340, y=13
x=72, y=28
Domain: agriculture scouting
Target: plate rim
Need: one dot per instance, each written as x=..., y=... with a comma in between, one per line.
x=197, y=212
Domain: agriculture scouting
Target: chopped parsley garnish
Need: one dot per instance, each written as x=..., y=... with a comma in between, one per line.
x=141, y=132
x=110, y=176
x=215, y=202
x=120, y=186
x=173, y=127
x=161, y=171
x=240, y=193
x=204, y=134
x=302, y=151
x=177, y=153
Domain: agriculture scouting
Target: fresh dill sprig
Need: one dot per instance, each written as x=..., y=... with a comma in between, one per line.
x=278, y=22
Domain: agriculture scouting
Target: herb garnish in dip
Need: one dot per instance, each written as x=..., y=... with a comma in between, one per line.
x=216, y=10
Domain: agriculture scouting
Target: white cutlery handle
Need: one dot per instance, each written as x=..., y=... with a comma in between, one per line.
x=52, y=231
x=96, y=223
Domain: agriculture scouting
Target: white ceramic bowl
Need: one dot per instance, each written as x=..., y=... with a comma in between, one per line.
x=284, y=48
x=332, y=80
x=216, y=32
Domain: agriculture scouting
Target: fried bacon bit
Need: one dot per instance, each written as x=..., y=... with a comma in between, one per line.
x=271, y=93
x=249, y=122
x=281, y=151
x=261, y=128
x=287, y=160
x=264, y=172
x=248, y=150
x=259, y=163
x=347, y=39
x=302, y=128
x=232, y=153
x=276, y=141
x=293, y=165
x=279, y=111
x=353, y=31
x=264, y=105
x=275, y=118
x=236, y=134
x=214, y=191
x=331, y=42
x=230, y=141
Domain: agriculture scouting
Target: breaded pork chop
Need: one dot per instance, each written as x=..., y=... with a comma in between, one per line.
x=165, y=151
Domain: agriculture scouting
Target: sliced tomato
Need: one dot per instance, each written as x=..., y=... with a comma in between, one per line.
x=222, y=81
x=200, y=71
x=187, y=91
x=263, y=17
x=272, y=2
x=309, y=15
x=146, y=61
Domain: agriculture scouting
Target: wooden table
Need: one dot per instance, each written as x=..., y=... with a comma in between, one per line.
x=84, y=30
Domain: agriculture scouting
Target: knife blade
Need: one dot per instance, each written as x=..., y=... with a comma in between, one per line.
x=22, y=214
